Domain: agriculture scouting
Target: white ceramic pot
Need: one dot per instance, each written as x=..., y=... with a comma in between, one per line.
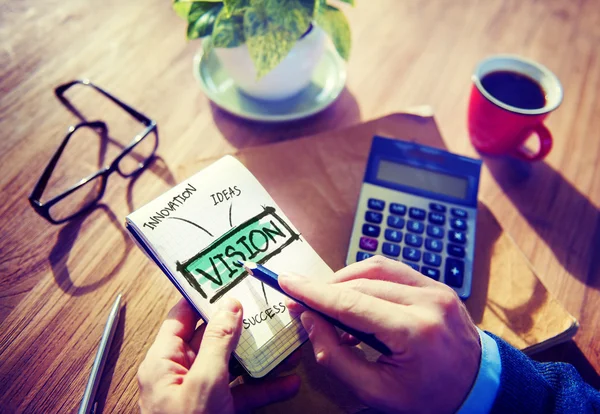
x=287, y=79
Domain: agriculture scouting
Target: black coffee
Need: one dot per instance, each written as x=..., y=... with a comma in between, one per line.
x=514, y=89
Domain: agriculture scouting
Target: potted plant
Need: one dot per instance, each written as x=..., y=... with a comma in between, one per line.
x=270, y=48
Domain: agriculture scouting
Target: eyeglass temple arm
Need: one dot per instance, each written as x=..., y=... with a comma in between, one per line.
x=60, y=90
x=38, y=190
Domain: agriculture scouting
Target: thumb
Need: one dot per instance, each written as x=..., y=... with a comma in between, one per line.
x=220, y=339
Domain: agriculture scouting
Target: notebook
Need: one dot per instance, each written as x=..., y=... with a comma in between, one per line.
x=196, y=233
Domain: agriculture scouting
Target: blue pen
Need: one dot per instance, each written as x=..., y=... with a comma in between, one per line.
x=272, y=279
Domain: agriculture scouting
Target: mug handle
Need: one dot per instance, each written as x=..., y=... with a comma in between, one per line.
x=545, y=143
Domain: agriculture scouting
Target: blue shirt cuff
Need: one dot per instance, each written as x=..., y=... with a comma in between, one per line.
x=483, y=393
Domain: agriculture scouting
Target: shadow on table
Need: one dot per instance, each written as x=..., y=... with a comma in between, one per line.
x=111, y=362
x=61, y=252
x=561, y=215
x=570, y=353
x=157, y=167
x=242, y=133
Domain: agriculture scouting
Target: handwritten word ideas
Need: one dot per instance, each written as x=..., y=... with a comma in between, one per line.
x=171, y=206
x=215, y=270
x=226, y=194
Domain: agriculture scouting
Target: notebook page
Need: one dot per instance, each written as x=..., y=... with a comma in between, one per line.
x=202, y=227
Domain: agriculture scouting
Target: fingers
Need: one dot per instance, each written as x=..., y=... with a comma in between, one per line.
x=355, y=309
x=381, y=268
x=340, y=359
x=247, y=397
x=181, y=322
x=389, y=291
x=218, y=342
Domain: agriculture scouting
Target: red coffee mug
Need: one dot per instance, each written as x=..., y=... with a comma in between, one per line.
x=497, y=128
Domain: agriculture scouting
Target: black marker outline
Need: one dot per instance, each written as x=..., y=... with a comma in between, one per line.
x=181, y=267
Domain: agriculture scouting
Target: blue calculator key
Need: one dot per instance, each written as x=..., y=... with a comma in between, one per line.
x=434, y=245
x=375, y=204
x=399, y=209
x=416, y=213
x=458, y=224
x=393, y=235
x=437, y=207
x=459, y=212
x=413, y=240
x=415, y=226
x=432, y=259
x=371, y=230
x=408, y=253
x=368, y=244
x=391, y=249
x=454, y=272
x=435, y=231
x=395, y=222
x=457, y=236
x=455, y=250
x=413, y=265
x=437, y=218
x=373, y=217
x=362, y=256
x=431, y=272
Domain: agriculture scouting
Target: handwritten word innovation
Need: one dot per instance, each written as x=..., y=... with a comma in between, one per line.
x=171, y=206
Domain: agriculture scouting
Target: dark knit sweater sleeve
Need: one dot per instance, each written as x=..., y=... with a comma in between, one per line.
x=527, y=386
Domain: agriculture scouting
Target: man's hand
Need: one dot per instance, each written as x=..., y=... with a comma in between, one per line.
x=435, y=345
x=186, y=369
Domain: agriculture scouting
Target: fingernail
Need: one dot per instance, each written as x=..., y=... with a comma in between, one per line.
x=230, y=305
x=308, y=322
x=290, y=278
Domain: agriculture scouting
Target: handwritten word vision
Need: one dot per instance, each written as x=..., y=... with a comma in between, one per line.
x=215, y=270
x=171, y=206
x=265, y=315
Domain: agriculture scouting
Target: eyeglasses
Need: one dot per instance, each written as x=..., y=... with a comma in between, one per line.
x=82, y=197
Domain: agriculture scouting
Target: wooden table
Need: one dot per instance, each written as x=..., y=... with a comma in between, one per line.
x=58, y=282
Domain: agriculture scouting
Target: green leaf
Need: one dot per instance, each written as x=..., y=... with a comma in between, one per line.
x=182, y=7
x=228, y=31
x=272, y=27
x=236, y=6
x=201, y=17
x=350, y=2
x=333, y=21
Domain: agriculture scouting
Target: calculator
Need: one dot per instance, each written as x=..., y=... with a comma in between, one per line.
x=418, y=205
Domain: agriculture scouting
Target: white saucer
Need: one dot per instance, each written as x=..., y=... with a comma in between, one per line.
x=327, y=83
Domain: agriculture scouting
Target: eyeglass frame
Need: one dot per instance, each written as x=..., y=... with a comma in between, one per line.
x=43, y=209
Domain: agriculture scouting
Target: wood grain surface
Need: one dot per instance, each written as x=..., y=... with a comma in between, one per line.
x=58, y=282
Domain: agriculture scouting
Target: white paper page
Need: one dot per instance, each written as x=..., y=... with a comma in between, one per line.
x=200, y=229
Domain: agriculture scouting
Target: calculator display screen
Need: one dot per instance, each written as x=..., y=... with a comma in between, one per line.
x=423, y=179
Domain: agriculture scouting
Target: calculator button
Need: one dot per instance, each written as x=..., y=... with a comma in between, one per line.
x=375, y=204
x=458, y=224
x=432, y=259
x=411, y=254
x=413, y=265
x=416, y=213
x=395, y=222
x=455, y=250
x=371, y=230
x=431, y=272
x=373, y=217
x=437, y=218
x=393, y=235
x=459, y=212
x=454, y=272
x=435, y=231
x=457, y=236
x=366, y=243
x=437, y=207
x=399, y=209
x=434, y=245
x=391, y=249
x=413, y=240
x=415, y=226
x=362, y=256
